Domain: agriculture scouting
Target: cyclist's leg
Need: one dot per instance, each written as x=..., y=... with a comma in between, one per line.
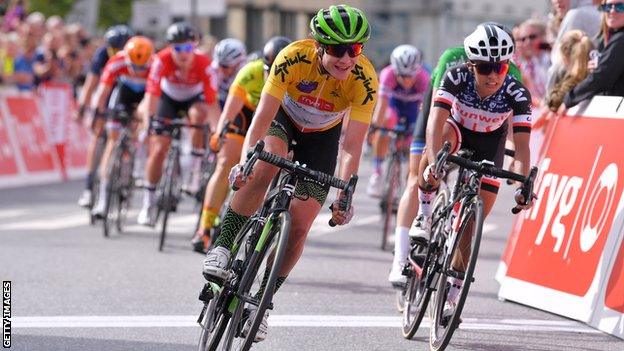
x=159, y=143
x=97, y=131
x=490, y=146
x=427, y=192
x=218, y=187
x=380, y=145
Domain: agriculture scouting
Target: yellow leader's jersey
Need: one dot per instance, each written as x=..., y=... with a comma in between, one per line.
x=313, y=99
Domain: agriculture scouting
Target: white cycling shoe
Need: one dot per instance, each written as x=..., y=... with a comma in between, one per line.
x=374, y=185
x=422, y=228
x=396, y=277
x=147, y=216
x=216, y=263
x=263, y=329
x=86, y=198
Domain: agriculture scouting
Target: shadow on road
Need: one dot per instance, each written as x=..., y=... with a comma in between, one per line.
x=46, y=342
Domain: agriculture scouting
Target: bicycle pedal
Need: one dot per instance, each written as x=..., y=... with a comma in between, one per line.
x=206, y=293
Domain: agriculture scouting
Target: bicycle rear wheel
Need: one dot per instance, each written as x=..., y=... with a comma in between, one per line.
x=126, y=188
x=417, y=290
x=112, y=191
x=388, y=200
x=169, y=196
x=443, y=325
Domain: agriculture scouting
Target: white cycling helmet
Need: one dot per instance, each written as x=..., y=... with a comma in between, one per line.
x=406, y=60
x=489, y=42
x=229, y=52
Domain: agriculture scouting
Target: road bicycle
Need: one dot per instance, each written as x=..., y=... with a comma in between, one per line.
x=169, y=190
x=119, y=174
x=258, y=252
x=394, y=179
x=457, y=215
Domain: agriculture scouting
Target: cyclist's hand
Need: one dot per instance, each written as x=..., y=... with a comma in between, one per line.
x=339, y=216
x=237, y=179
x=520, y=200
x=215, y=143
x=430, y=175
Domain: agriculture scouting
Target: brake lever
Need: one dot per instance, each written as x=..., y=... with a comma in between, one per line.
x=527, y=190
x=347, y=198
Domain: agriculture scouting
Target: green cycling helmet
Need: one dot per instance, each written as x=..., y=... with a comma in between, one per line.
x=340, y=24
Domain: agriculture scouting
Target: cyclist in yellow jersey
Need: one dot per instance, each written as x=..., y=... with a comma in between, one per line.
x=239, y=108
x=313, y=86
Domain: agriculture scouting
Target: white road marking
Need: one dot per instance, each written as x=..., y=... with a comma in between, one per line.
x=12, y=213
x=61, y=221
x=315, y=321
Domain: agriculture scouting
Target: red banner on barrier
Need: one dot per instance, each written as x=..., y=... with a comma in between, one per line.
x=8, y=163
x=614, y=298
x=562, y=238
x=30, y=134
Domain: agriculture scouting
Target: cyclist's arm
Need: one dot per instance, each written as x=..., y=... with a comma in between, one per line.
x=435, y=127
x=233, y=106
x=91, y=82
x=354, y=137
x=380, y=110
x=267, y=109
x=98, y=102
x=523, y=154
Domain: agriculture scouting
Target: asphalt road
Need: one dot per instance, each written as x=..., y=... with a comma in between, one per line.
x=74, y=290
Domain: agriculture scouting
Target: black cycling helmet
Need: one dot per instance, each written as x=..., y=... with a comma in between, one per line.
x=272, y=48
x=117, y=36
x=181, y=32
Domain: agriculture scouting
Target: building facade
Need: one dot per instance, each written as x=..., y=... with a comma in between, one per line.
x=431, y=25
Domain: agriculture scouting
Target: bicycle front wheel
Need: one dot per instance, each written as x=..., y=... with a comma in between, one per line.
x=389, y=200
x=169, y=198
x=112, y=191
x=417, y=290
x=445, y=316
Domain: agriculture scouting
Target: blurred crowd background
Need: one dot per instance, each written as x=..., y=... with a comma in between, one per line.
x=55, y=40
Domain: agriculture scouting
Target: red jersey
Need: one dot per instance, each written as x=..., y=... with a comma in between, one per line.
x=165, y=76
x=118, y=69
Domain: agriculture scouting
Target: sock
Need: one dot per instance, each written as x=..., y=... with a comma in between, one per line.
x=401, y=244
x=426, y=199
x=149, y=194
x=454, y=289
x=208, y=217
x=103, y=191
x=377, y=163
x=231, y=224
x=89, y=181
x=265, y=280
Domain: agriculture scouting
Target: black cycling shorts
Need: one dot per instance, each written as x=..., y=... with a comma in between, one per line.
x=169, y=108
x=486, y=146
x=123, y=98
x=317, y=150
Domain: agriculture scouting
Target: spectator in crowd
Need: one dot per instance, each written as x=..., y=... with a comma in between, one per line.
x=36, y=22
x=8, y=54
x=583, y=15
x=608, y=76
x=555, y=17
x=48, y=65
x=16, y=12
x=574, y=52
x=533, y=57
x=24, y=77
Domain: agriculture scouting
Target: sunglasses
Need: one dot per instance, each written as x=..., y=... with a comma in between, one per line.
x=339, y=50
x=186, y=47
x=618, y=7
x=529, y=37
x=486, y=68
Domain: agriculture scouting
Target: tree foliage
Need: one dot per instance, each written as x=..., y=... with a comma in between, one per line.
x=114, y=12
x=51, y=7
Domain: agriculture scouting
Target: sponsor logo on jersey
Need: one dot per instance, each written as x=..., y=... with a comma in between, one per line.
x=317, y=103
x=307, y=86
x=517, y=93
x=282, y=68
x=335, y=93
x=358, y=71
x=457, y=76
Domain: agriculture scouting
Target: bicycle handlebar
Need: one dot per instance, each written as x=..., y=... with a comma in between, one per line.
x=395, y=131
x=487, y=168
x=258, y=153
x=182, y=122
